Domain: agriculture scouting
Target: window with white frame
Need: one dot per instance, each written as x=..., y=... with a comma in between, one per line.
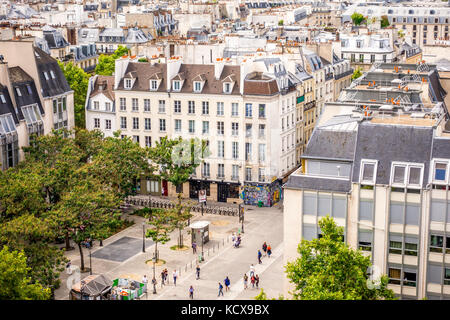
x=368, y=171
x=227, y=87
x=176, y=85
x=146, y=105
x=162, y=125
x=177, y=125
x=440, y=171
x=234, y=128
x=107, y=106
x=127, y=83
x=234, y=172
x=46, y=75
x=261, y=152
x=234, y=109
x=220, y=109
x=220, y=170
x=205, y=127
x=96, y=105
x=191, y=107
x=148, y=141
x=123, y=104
x=18, y=92
x=408, y=175
x=134, y=104
x=162, y=106
x=205, y=107
x=177, y=106
x=248, y=110
x=52, y=74
x=235, y=150
x=148, y=123
x=123, y=122
x=153, y=84
x=261, y=174
x=220, y=128
x=2, y=98
x=191, y=126
x=107, y=124
x=96, y=123
x=135, y=123
x=220, y=149
x=197, y=86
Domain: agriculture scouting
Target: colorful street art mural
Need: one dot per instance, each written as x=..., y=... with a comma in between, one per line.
x=268, y=195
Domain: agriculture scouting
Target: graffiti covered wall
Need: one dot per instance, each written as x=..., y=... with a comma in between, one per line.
x=268, y=195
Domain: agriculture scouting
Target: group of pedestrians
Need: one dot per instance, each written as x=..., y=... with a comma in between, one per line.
x=267, y=251
x=254, y=278
x=227, y=283
x=236, y=240
x=165, y=277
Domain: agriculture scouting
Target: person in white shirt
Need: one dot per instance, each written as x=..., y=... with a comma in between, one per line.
x=175, y=276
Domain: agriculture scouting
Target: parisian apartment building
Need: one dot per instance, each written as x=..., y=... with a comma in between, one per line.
x=35, y=98
x=378, y=163
x=251, y=115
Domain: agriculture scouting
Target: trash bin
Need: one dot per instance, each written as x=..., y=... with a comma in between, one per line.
x=260, y=204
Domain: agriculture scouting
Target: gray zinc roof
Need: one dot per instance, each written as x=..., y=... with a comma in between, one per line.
x=321, y=184
x=387, y=143
x=330, y=144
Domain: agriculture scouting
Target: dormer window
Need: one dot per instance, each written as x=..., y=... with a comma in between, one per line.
x=440, y=171
x=154, y=85
x=197, y=86
x=52, y=74
x=227, y=87
x=176, y=85
x=128, y=83
x=18, y=92
x=368, y=172
x=407, y=175
x=381, y=44
x=46, y=75
x=2, y=98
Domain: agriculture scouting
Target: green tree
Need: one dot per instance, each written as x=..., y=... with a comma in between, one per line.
x=15, y=283
x=328, y=269
x=106, y=63
x=357, y=18
x=356, y=74
x=78, y=81
x=384, y=22
x=120, y=163
x=161, y=226
x=177, y=159
x=281, y=22
x=142, y=60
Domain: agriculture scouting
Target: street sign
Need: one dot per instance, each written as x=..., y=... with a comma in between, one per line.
x=202, y=196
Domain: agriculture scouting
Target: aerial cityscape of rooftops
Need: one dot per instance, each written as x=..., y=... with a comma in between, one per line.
x=224, y=150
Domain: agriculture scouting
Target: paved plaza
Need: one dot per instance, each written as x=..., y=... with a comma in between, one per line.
x=122, y=256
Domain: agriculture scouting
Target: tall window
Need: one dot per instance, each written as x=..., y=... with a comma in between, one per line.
x=108, y=124
x=205, y=127
x=248, y=110
x=134, y=104
x=162, y=106
x=123, y=122
x=234, y=109
x=96, y=105
x=148, y=141
x=135, y=123
x=191, y=107
x=177, y=125
x=220, y=149
x=220, y=128
x=191, y=126
x=248, y=130
x=123, y=104
x=234, y=172
x=96, y=123
x=177, y=106
x=205, y=169
x=220, y=109
x=220, y=170
x=235, y=128
x=205, y=107
x=59, y=113
x=148, y=123
x=262, y=130
x=261, y=175
x=262, y=152
x=248, y=174
x=162, y=125
x=235, y=150
x=248, y=151
x=262, y=110
x=146, y=105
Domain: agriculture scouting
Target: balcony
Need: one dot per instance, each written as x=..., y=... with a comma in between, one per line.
x=329, y=76
x=344, y=74
x=309, y=105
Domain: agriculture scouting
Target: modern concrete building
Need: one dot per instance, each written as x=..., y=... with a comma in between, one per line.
x=378, y=163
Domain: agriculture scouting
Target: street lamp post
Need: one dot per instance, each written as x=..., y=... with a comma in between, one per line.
x=154, y=278
x=203, y=241
x=143, y=236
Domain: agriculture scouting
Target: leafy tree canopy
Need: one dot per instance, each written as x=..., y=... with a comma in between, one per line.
x=106, y=63
x=15, y=284
x=384, y=22
x=357, y=18
x=328, y=269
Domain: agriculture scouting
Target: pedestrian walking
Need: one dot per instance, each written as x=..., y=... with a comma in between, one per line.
x=197, y=270
x=163, y=277
x=144, y=281
x=220, y=289
x=233, y=238
x=194, y=247
x=269, y=251
x=166, y=276
x=259, y=256
x=245, y=280
x=68, y=267
x=252, y=270
x=252, y=281
x=257, y=281
x=227, y=283
x=191, y=292
x=175, y=276
x=264, y=247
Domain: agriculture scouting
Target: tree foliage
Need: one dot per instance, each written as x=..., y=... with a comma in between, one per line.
x=384, y=22
x=15, y=283
x=161, y=226
x=328, y=269
x=78, y=81
x=356, y=74
x=357, y=18
x=106, y=63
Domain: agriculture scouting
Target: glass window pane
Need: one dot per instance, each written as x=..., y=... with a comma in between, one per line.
x=412, y=214
x=339, y=207
x=366, y=210
x=309, y=232
x=439, y=173
x=437, y=210
x=309, y=203
x=368, y=172
x=414, y=175
x=399, y=174
x=324, y=205
x=434, y=273
x=396, y=213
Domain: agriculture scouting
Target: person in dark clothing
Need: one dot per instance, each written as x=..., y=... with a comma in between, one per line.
x=191, y=292
x=257, y=281
x=197, y=271
x=264, y=247
x=227, y=283
x=259, y=257
x=220, y=289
